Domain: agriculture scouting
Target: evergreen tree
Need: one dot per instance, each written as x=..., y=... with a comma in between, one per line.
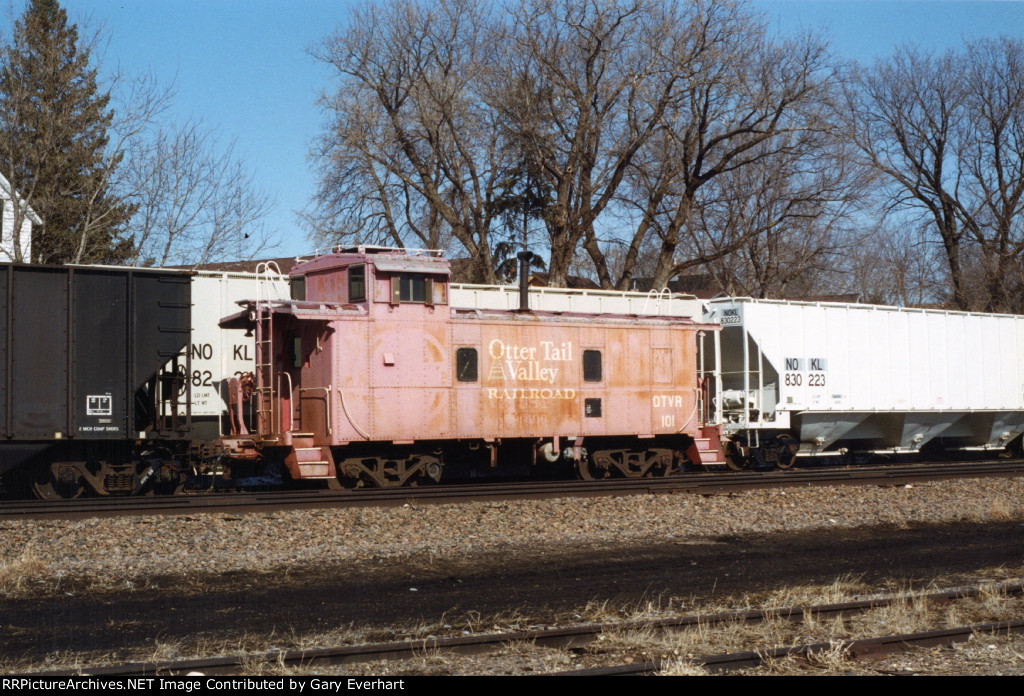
x=54, y=120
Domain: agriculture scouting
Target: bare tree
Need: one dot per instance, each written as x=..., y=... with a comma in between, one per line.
x=992, y=161
x=757, y=106
x=585, y=84
x=608, y=72
x=947, y=132
x=781, y=224
x=460, y=121
x=195, y=200
x=892, y=263
x=451, y=119
x=411, y=152
x=907, y=115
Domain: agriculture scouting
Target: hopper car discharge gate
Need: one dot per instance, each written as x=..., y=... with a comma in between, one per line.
x=370, y=375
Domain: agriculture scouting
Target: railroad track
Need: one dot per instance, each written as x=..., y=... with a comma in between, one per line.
x=702, y=483
x=577, y=637
x=863, y=649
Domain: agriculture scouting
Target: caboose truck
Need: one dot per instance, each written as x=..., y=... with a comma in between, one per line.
x=833, y=379
x=368, y=376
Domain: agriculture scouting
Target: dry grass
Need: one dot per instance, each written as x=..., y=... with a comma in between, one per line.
x=57, y=661
x=1004, y=653
x=1002, y=510
x=842, y=589
x=909, y=614
x=678, y=667
x=595, y=611
x=705, y=639
x=816, y=625
x=672, y=648
x=268, y=666
x=832, y=658
x=520, y=648
x=646, y=608
x=16, y=576
x=914, y=614
x=694, y=641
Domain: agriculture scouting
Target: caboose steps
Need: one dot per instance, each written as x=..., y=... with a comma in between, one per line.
x=706, y=449
x=311, y=463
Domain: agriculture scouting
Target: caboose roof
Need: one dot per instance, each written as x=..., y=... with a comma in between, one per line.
x=387, y=260
x=575, y=318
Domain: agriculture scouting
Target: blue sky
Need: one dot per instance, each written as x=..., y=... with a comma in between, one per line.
x=244, y=68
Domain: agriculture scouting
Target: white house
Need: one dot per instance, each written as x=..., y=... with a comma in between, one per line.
x=7, y=198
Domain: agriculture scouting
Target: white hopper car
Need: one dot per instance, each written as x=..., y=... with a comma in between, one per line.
x=217, y=354
x=828, y=378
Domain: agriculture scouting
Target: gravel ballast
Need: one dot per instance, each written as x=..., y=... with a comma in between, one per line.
x=133, y=547
x=129, y=588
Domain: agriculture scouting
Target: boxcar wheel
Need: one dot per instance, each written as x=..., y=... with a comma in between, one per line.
x=59, y=481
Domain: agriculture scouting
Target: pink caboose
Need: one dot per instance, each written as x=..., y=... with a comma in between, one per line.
x=368, y=375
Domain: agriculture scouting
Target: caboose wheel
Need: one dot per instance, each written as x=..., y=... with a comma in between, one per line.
x=59, y=481
x=627, y=464
x=594, y=468
x=736, y=461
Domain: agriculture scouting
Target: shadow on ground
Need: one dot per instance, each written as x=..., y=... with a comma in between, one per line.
x=538, y=582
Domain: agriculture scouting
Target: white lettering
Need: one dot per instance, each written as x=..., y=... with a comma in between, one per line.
x=540, y=394
x=516, y=363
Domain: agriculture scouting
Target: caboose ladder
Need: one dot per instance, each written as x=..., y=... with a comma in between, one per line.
x=265, y=396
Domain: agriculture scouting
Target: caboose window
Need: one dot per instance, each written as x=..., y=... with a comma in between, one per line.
x=591, y=366
x=357, y=283
x=410, y=287
x=465, y=364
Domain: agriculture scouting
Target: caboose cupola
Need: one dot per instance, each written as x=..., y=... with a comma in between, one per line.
x=369, y=276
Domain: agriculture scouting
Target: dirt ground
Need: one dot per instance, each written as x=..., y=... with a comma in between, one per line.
x=377, y=598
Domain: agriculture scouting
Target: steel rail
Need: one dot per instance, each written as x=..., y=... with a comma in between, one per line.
x=861, y=649
x=567, y=637
x=701, y=483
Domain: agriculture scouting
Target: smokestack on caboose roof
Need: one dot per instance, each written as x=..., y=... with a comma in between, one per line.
x=525, y=257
